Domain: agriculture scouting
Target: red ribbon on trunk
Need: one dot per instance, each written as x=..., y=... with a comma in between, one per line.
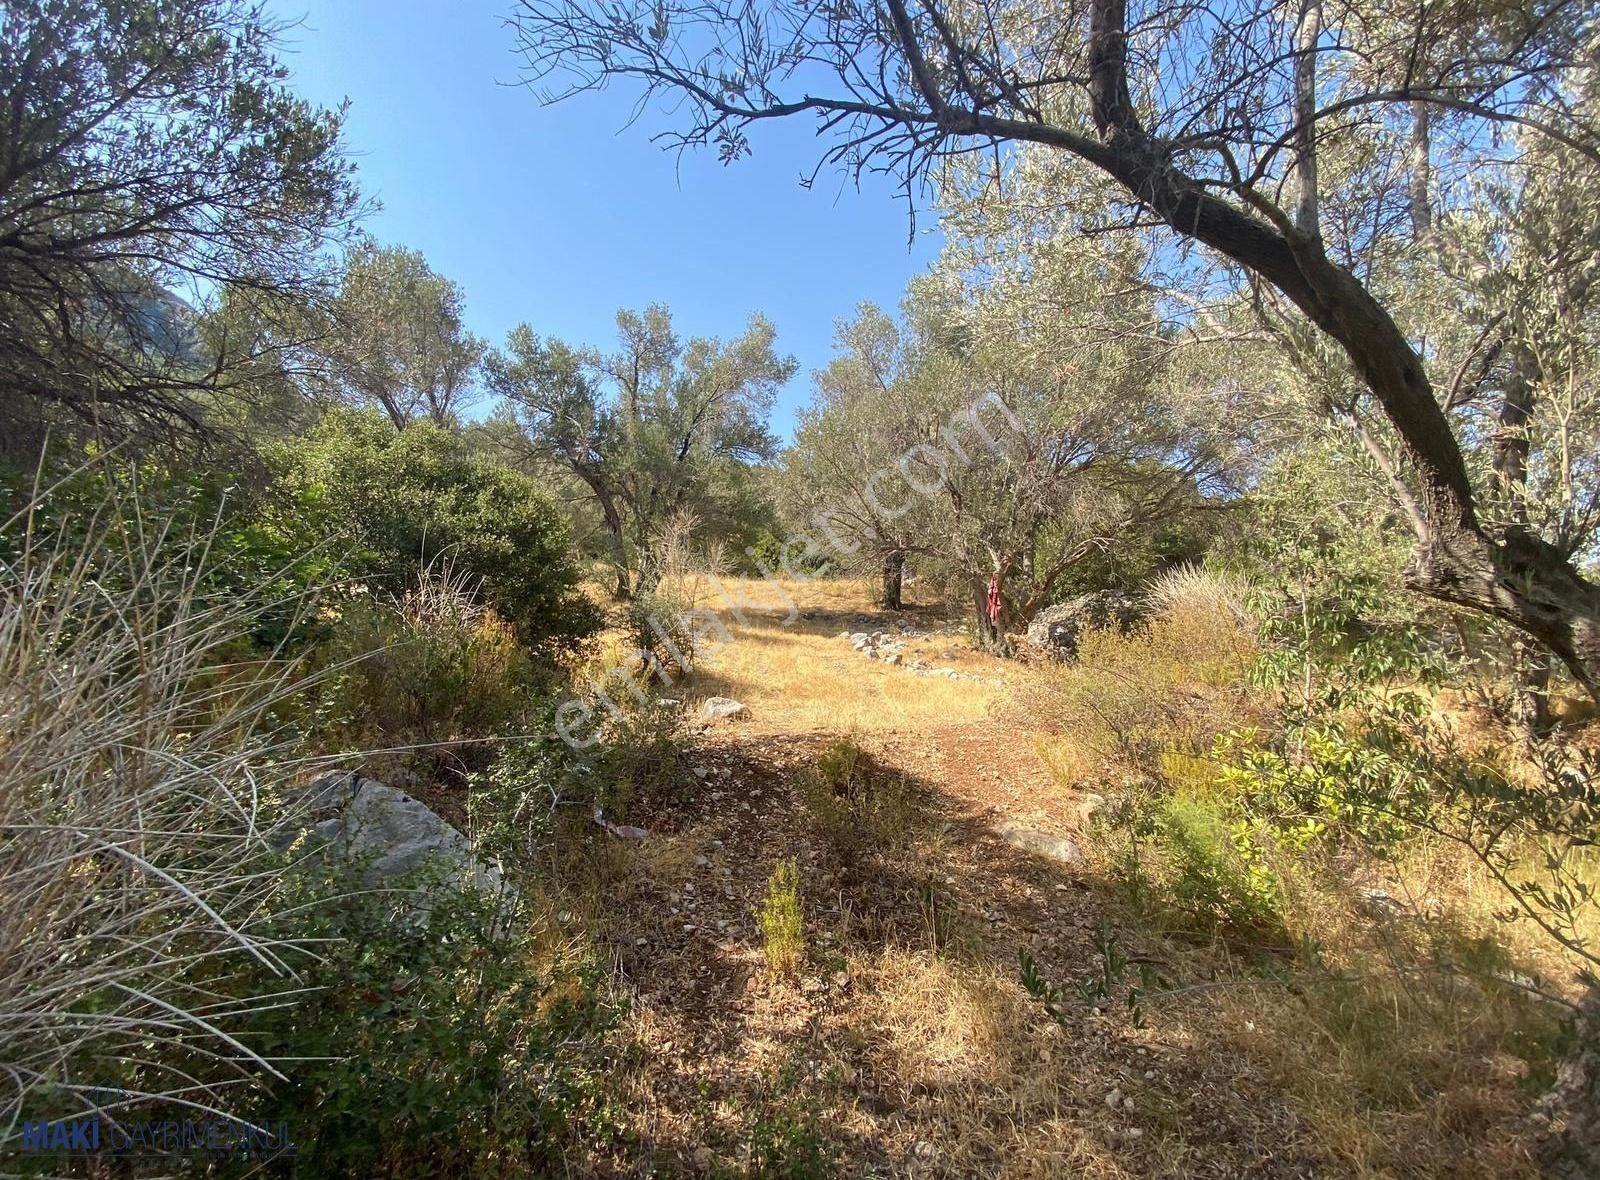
x=993, y=605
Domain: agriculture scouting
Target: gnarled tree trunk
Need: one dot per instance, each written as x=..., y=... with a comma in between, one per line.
x=1518, y=577
x=990, y=630
x=894, y=566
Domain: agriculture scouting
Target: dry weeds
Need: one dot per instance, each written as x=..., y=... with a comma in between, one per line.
x=909, y=1045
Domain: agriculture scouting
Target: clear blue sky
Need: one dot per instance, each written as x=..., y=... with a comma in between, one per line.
x=559, y=215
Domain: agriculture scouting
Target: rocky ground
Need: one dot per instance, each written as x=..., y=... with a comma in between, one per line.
x=905, y=1044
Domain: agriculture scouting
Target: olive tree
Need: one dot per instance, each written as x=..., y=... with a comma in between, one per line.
x=657, y=428
x=151, y=156
x=1212, y=124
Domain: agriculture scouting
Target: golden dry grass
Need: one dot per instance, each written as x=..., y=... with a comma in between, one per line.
x=797, y=676
x=938, y=1060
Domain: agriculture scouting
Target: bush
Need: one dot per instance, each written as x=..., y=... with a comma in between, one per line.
x=438, y=1048
x=783, y=939
x=420, y=496
x=786, y=1136
x=1172, y=684
x=431, y=678
x=854, y=805
x=272, y=550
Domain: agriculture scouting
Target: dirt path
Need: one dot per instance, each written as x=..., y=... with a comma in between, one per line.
x=906, y=1045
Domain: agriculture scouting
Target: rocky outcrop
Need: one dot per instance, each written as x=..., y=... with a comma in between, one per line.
x=387, y=834
x=718, y=708
x=1055, y=630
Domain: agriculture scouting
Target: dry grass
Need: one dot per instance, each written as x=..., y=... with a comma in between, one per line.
x=796, y=676
x=930, y=1059
x=137, y=775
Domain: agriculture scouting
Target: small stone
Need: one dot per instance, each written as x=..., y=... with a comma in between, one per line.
x=641, y=942
x=700, y=862
x=1149, y=1074
x=716, y=708
x=1135, y=1133
x=1113, y=1099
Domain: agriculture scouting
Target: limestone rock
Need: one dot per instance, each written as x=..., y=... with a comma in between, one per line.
x=1055, y=630
x=717, y=708
x=390, y=834
x=1040, y=843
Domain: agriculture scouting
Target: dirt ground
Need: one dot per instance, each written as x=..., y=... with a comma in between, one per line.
x=905, y=1045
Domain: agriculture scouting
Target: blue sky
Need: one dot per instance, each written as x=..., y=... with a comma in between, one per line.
x=560, y=215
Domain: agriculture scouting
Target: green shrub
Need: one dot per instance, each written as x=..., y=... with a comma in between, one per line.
x=437, y=1047
x=272, y=550
x=428, y=679
x=783, y=939
x=664, y=630
x=1216, y=875
x=854, y=805
x=785, y=1137
x=421, y=496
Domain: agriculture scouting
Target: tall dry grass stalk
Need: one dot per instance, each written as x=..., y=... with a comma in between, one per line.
x=138, y=772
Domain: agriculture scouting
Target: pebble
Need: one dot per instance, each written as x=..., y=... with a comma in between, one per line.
x=1114, y=1099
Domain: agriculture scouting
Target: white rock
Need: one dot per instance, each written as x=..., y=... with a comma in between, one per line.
x=716, y=708
x=1056, y=848
x=390, y=834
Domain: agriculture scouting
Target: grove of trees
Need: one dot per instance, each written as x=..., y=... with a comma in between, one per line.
x=1278, y=320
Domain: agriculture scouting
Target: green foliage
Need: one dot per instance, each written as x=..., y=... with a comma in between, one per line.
x=1216, y=872
x=156, y=155
x=783, y=557
x=783, y=939
x=660, y=427
x=397, y=340
x=433, y=670
x=255, y=545
x=1199, y=864
x=785, y=1136
x=512, y=806
x=420, y=497
x=664, y=630
x=1323, y=552
x=1097, y=991
x=437, y=1047
x=855, y=806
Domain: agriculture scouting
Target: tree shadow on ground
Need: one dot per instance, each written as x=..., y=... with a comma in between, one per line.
x=917, y=1049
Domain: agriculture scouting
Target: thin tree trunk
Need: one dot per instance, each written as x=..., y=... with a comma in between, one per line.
x=613, y=519
x=1530, y=690
x=1530, y=661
